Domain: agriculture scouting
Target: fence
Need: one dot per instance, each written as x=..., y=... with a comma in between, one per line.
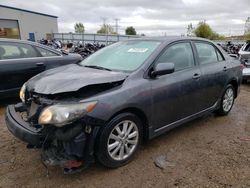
x=91, y=38
x=106, y=39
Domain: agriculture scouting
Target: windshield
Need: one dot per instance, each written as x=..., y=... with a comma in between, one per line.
x=122, y=56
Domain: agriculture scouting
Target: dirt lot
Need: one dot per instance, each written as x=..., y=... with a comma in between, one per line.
x=209, y=152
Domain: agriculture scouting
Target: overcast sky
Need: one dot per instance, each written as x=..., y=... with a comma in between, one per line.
x=151, y=17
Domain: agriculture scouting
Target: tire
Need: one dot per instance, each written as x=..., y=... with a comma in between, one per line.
x=115, y=137
x=227, y=101
x=244, y=81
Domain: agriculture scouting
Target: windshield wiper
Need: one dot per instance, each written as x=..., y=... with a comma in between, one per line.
x=97, y=67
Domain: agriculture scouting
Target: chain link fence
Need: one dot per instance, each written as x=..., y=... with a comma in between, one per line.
x=91, y=38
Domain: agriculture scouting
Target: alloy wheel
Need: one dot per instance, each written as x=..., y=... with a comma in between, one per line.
x=123, y=140
x=228, y=99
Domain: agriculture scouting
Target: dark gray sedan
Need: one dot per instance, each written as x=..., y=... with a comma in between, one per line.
x=103, y=107
x=21, y=60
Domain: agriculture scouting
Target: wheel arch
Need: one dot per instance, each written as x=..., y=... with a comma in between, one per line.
x=235, y=84
x=141, y=115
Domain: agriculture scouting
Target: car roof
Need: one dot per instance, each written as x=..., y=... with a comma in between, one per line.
x=171, y=38
x=29, y=42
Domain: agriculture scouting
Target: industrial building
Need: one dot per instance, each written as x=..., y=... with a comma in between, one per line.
x=25, y=24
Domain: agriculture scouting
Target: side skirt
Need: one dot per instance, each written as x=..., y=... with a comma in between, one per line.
x=161, y=130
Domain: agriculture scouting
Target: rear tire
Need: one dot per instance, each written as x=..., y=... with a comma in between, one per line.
x=227, y=101
x=119, y=140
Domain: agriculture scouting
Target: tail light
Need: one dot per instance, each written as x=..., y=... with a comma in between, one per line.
x=242, y=66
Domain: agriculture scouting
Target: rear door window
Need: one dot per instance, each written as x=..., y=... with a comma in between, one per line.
x=206, y=53
x=220, y=57
x=46, y=53
x=27, y=51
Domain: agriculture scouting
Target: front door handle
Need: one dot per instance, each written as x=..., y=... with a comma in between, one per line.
x=225, y=68
x=40, y=64
x=196, y=76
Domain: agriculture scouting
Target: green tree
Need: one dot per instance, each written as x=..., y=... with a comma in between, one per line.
x=107, y=29
x=130, y=31
x=247, y=36
x=79, y=28
x=203, y=30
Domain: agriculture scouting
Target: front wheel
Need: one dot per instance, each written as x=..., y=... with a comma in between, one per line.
x=119, y=140
x=227, y=100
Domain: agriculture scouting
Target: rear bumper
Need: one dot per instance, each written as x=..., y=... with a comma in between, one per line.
x=21, y=129
x=246, y=77
x=246, y=73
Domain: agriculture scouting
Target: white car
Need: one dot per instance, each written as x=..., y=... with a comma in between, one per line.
x=245, y=60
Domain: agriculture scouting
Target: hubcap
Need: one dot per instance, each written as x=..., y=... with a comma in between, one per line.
x=123, y=140
x=228, y=99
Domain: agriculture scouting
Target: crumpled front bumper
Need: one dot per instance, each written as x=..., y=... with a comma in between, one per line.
x=21, y=129
x=71, y=147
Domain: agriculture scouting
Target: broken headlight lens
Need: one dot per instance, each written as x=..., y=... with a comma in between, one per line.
x=62, y=114
x=22, y=93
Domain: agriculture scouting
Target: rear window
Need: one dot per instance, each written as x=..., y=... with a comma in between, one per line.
x=206, y=53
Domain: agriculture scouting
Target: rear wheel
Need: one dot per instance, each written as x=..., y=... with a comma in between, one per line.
x=227, y=100
x=119, y=140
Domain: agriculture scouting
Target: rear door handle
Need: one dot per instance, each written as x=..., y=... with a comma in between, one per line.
x=40, y=64
x=225, y=68
x=196, y=76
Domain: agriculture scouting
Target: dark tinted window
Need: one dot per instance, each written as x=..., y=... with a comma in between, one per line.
x=46, y=53
x=10, y=50
x=206, y=53
x=180, y=54
x=247, y=48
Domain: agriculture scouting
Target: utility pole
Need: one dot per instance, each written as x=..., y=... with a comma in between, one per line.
x=116, y=25
x=247, y=26
x=104, y=19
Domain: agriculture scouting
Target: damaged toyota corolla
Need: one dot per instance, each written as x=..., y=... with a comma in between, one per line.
x=102, y=108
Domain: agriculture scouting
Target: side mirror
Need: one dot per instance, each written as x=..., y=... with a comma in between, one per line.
x=162, y=69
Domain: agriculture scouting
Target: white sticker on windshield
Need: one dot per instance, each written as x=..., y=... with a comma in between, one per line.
x=138, y=50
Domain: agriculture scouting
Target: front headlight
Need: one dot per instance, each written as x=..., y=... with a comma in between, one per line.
x=62, y=114
x=22, y=93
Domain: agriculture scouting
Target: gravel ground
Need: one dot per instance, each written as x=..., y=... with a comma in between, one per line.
x=208, y=152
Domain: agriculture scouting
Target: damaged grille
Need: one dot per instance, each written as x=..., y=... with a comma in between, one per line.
x=33, y=109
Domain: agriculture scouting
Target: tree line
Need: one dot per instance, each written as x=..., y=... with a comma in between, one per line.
x=202, y=30
x=105, y=29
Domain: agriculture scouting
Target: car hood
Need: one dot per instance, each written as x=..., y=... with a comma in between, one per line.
x=71, y=78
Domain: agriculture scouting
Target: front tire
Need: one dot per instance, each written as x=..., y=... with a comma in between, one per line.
x=227, y=100
x=119, y=140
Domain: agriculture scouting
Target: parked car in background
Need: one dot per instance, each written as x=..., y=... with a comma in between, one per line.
x=20, y=60
x=245, y=60
x=102, y=108
x=245, y=52
x=246, y=72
